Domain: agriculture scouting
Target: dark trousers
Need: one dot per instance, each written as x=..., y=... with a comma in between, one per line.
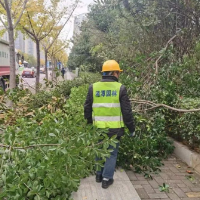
x=109, y=166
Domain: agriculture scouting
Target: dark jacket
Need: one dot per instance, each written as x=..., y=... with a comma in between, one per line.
x=125, y=108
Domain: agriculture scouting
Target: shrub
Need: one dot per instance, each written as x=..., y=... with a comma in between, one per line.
x=50, y=152
x=185, y=126
x=146, y=151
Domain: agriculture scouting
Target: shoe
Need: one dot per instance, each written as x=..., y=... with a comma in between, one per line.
x=99, y=178
x=107, y=182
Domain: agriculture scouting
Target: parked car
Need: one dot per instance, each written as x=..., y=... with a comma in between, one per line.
x=29, y=72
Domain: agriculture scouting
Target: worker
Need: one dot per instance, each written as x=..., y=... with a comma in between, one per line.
x=107, y=101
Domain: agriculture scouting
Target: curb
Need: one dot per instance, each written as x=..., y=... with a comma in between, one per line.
x=186, y=155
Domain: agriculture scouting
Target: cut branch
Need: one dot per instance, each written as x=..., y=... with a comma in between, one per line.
x=166, y=47
x=31, y=146
x=154, y=106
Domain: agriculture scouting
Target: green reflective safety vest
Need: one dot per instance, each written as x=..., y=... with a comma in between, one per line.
x=106, y=105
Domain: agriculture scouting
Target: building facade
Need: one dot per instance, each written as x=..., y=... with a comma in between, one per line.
x=78, y=20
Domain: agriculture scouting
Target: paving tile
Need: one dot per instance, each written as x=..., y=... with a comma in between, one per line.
x=142, y=178
x=159, y=180
x=177, y=177
x=188, y=183
x=152, y=199
x=131, y=175
x=155, y=175
x=196, y=189
x=181, y=185
x=168, y=164
x=158, y=196
x=172, y=185
x=172, y=175
x=174, y=169
x=186, y=189
x=158, y=191
x=181, y=174
x=142, y=193
x=122, y=189
x=137, y=186
x=140, y=182
x=175, y=181
x=179, y=192
x=148, y=189
x=173, y=196
x=153, y=184
x=164, y=176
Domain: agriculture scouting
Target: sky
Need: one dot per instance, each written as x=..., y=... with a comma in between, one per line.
x=82, y=8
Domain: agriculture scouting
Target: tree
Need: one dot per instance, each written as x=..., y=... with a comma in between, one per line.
x=50, y=40
x=55, y=53
x=37, y=23
x=10, y=15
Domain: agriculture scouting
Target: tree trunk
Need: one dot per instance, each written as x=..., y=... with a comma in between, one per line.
x=37, y=86
x=46, y=70
x=53, y=67
x=12, y=81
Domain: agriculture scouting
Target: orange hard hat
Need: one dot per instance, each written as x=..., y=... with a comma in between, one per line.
x=111, y=65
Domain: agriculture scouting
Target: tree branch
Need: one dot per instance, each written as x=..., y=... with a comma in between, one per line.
x=166, y=47
x=3, y=23
x=33, y=34
x=31, y=146
x=154, y=105
x=2, y=5
x=29, y=32
x=18, y=20
x=62, y=27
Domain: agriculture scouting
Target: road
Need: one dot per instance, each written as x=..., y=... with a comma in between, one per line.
x=30, y=82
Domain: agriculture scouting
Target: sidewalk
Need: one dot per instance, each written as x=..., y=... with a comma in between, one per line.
x=122, y=189
x=183, y=186
x=67, y=76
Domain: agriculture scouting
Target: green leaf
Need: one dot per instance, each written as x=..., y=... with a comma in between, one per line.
x=52, y=135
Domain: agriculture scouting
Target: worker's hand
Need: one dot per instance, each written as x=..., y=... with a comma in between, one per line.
x=132, y=134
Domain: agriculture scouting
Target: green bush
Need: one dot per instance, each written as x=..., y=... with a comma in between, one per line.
x=50, y=152
x=64, y=88
x=50, y=147
x=185, y=126
x=146, y=151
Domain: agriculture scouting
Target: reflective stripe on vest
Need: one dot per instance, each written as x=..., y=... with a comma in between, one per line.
x=106, y=105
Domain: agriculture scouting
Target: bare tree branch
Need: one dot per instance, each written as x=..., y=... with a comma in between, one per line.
x=16, y=8
x=41, y=27
x=166, y=47
x=2, y=5
x=154, y=105
x=31, y=26
x=29, y=32
x=18, y=20
x=6, y=27
x=62, y=27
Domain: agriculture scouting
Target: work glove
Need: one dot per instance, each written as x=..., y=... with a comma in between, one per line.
x=132, y=134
